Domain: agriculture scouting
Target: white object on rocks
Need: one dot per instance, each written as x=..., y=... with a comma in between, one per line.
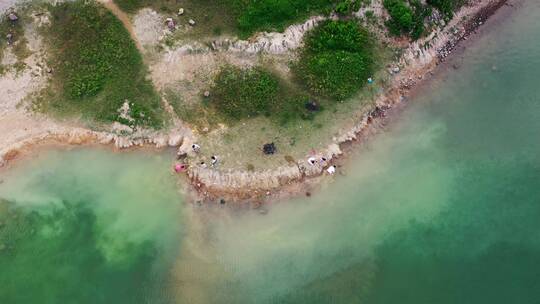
x=191, y=22
x=331, y=170
x=395, y=69
x=312, y=160
x=180, y=11
x=206, y=93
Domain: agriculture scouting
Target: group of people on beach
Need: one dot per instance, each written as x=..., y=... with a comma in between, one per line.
x=323, y=161
x=331, y=170
x=196, y=149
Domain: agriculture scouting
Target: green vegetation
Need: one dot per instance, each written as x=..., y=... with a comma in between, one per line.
x=337, y=59
x=241, y=93
x=98, y=67
x=244, y=93
x=274, y=15
x=406, y=17
x=446, y=7
x=346, y=7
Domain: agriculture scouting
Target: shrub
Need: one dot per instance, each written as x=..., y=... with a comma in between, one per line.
x=446, y=7
x=406, y=17
x=98, y=65
x=336, y=60
x=346, y=7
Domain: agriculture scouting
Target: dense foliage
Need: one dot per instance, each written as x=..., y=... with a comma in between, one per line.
x=446, y=7
x=99, y=66
x=337, y=59
x=406, y=17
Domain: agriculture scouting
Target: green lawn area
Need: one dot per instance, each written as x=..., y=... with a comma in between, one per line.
x=97, y=67
x=336, y=61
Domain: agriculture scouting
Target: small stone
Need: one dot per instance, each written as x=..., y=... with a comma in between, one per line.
x=49, y=70
x=395, y=69
x=13, y=17
x=191, y=22
x=180, y=11
x=206, y=94
x=222, y=201
x=171, y=24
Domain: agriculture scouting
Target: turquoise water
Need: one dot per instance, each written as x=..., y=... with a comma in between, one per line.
x=443, y=207
x=88, y=226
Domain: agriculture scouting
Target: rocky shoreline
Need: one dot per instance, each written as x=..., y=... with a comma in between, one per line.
x=416, y=65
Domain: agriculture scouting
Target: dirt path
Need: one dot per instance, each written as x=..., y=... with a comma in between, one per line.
x=124, y=18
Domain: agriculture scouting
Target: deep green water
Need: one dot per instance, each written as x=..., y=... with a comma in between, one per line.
x=443, y=207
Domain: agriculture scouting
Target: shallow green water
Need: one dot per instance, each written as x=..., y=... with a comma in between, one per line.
x=88, y=226
x=443, y=207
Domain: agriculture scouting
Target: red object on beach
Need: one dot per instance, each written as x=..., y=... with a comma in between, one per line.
x=179, y=168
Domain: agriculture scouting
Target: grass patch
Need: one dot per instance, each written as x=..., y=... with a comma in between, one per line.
x=246, y=93
x=337, y=59
x=406, y=17
x=98, y=67
x=274, y=15
x=17, y=42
